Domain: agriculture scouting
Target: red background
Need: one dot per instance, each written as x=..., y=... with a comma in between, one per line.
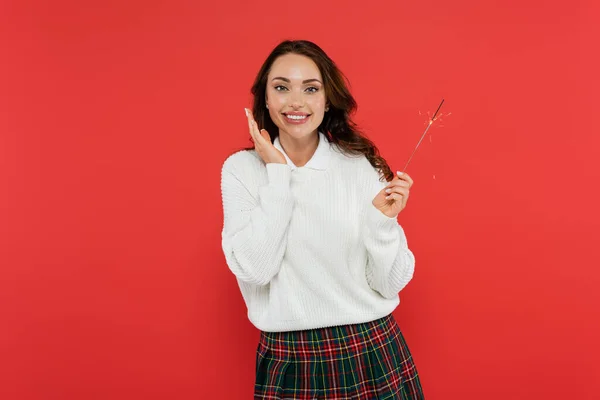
x=115, y=118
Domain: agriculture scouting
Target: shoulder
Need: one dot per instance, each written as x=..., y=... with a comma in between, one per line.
x=367, y=177
x=361, y=167
x=245, y=168
x=243, y=161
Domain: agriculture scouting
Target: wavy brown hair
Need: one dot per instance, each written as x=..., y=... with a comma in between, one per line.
x=337, y=124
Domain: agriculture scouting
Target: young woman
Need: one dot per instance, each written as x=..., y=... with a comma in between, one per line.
x=310, y=233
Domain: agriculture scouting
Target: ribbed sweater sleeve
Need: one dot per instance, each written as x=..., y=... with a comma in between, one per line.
x=390, y=263
x=254, y=235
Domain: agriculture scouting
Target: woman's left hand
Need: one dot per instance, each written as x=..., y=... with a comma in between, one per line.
x=392, y=198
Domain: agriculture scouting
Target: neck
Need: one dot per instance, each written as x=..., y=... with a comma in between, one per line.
x=299, y=150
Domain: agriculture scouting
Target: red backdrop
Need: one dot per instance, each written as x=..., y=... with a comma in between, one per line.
x=115, y=118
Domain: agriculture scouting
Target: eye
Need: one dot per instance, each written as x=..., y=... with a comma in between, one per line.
x=279, y=86
x=316, y=89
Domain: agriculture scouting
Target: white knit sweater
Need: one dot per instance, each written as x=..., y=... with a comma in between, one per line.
x=307, y=246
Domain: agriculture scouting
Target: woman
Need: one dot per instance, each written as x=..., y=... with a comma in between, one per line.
x=311, y=234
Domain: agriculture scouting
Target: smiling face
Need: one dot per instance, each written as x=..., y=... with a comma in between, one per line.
x=295, y=95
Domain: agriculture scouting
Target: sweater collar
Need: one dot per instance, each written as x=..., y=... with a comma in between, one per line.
x=320, y=158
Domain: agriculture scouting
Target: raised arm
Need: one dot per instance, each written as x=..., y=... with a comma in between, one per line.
x=390, y=263
x=254, y=235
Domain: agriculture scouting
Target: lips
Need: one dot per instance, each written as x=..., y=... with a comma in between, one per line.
x=296, y=117
x=296, y=113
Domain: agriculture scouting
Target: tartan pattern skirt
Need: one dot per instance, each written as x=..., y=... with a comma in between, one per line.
x=359, y=361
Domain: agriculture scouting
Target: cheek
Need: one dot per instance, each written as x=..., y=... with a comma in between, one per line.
x=275, y=115
x=276, y=103
x=318, y=104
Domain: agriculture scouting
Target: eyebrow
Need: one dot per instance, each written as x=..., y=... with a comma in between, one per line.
x=304, y=81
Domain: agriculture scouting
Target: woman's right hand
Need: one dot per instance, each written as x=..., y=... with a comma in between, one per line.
x=262, y=142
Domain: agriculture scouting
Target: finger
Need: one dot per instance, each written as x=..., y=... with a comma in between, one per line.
x=394, y=196
x=404, y=200
x=404, y=176
x=398, y=182
x=265, y=134
x=396, y=193
x=397, y=190
x=250, y=127
x=251, y=134
x=392, y=189
x=257, y=136
x=398, y=198
x=401, y=190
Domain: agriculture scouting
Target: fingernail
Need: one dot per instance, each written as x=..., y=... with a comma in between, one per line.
x=246, y=111
x=400, y=173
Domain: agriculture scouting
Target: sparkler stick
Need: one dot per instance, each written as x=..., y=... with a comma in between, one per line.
x=422, y=136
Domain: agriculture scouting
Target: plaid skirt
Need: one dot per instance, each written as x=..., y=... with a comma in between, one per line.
x=359, y=361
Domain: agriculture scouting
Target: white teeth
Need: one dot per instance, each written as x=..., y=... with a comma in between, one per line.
x=296, y=116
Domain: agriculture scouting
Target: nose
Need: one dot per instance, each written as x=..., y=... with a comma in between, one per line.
x=296, y=100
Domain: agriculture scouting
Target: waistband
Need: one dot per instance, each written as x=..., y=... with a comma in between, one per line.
x=328, y=341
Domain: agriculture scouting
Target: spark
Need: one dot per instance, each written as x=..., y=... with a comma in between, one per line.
x=431, y=121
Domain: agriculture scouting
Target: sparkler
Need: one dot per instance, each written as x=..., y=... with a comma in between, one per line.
x=431, y=120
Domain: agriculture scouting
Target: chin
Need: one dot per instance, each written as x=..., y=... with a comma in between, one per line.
x=299, y=132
